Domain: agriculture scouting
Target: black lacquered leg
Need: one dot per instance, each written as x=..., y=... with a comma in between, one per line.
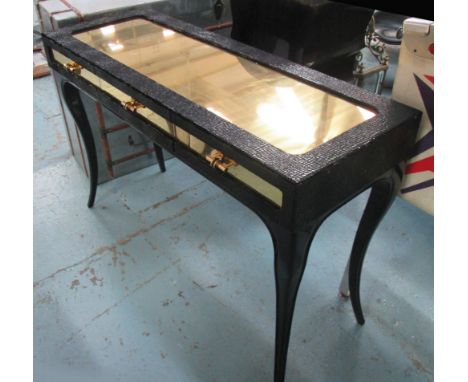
x=73, y=101
x=291, y=250
x=160, y=157
x=382, y=195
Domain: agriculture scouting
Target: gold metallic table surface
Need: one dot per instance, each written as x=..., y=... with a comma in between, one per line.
x=287, y=113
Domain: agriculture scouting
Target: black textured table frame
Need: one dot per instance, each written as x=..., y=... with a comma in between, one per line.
x=313, y=184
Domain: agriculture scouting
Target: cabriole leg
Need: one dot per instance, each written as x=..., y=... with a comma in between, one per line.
x=382, y=195
x=160, y=157
x=291, y=250
x=74, y=103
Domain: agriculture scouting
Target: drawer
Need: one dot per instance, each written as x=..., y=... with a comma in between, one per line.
x=216, y=158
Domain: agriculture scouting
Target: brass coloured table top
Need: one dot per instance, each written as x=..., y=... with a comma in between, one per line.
x=287, y=113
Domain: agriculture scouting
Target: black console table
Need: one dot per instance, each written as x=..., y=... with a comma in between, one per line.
x=291, y=144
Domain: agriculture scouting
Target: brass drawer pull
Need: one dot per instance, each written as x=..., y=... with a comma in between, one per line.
x=73, y=67
x=218, y=160
x=132, y=105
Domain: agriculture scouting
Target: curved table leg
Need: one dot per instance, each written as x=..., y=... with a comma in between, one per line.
x=74, y=103
x=382, y=195
x=291, y=250
x=160, y=157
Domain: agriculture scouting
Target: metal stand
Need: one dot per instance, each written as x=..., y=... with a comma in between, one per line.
x=377, y=48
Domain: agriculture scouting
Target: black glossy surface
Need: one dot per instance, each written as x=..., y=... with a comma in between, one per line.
x=382, y=195
x=422, y=10
x=291, y=251
x=75, y=105
x=319, y=33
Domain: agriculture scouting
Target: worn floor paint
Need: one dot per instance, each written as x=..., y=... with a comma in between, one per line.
x=168, y=278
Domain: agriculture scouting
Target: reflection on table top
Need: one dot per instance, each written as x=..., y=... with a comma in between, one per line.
x=282, y=111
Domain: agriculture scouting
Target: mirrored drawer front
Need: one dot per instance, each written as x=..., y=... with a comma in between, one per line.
x=215, y=157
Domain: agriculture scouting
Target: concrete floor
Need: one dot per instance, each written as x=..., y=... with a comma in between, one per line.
x=170, y=279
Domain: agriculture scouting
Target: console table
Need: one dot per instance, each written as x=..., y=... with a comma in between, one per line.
x=290, y=143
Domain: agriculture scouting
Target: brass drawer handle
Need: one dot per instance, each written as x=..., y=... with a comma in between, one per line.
x=132, y=105
x=218, y=160
x=73, y=67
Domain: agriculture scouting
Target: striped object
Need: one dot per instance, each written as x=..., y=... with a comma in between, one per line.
x=414, y=86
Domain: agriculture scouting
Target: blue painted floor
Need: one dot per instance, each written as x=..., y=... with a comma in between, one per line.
x=168, y=278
